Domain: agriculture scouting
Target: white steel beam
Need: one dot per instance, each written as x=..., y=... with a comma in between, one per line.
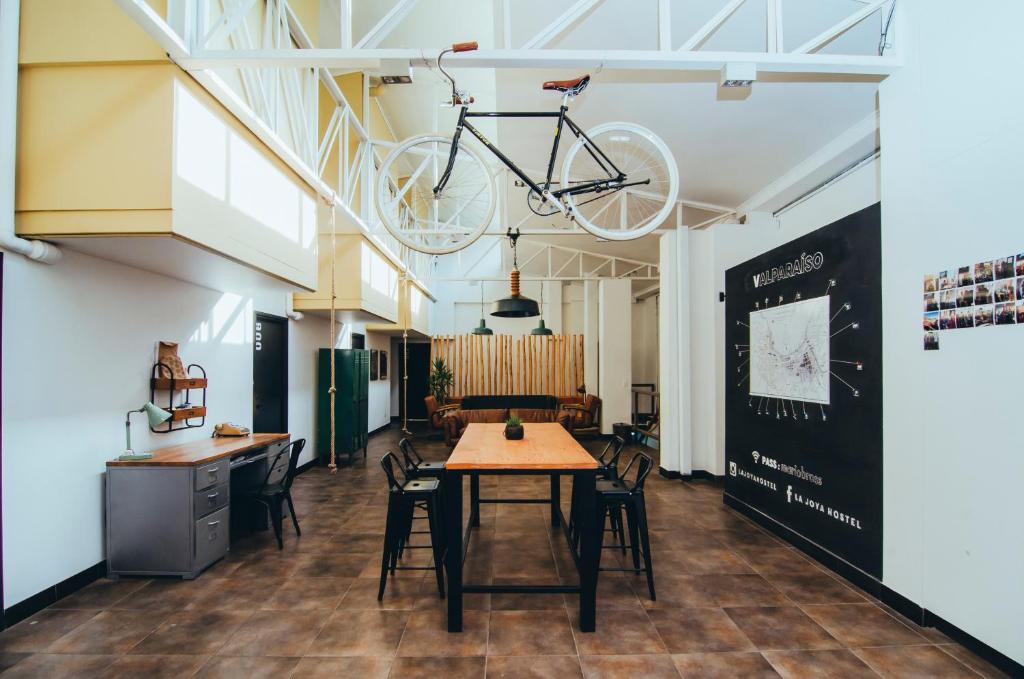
x=154, y=24
x=387, y=24
x=228, y=21
x=664, y=25
x=563, y=23
x=819, y=41
x=774, y=23
x=345, y=23
x=713, y=24
x=651, y=60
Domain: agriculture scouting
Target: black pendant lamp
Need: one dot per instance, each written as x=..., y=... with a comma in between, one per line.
x=541, y=329
x=482, y=329
x=515, y=305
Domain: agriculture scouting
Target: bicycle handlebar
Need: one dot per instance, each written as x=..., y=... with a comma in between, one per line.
x=458, y=98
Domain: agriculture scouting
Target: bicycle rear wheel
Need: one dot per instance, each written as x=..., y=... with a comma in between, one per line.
x=439, y=223
x=634, y=206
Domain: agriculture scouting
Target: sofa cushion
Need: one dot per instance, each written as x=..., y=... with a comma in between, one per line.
x=483, y=415
x=542, y=415
x=534, y=414
x=509, y=401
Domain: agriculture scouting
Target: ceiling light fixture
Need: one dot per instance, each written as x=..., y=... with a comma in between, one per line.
x=738, y=75
x=482, y=329
x=541, y=329
x=515, y=305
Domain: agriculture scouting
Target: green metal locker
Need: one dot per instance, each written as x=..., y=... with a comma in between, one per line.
x=352, y=381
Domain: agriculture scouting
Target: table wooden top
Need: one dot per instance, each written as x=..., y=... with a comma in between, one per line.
x=545, y=445
x=202, y=451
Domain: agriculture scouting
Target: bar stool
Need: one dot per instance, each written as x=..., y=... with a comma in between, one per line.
x=415, y=466
x=607, y=469
x=402, y=500
x=618, y=494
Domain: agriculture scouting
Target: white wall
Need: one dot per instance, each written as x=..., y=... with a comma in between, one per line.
x=721, y=247
x=614, y=337
x=952, y=141
x=78, y=346
x=644, y=325
x=379, y=393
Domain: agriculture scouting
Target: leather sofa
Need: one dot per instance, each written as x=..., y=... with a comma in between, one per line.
x=498, y=409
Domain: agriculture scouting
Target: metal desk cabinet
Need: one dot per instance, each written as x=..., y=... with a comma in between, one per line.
x=171, y=520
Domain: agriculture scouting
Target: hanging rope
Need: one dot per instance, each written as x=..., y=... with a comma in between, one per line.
x=333, y=466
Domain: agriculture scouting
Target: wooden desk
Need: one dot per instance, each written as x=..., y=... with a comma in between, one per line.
x=202, y=451
x=171, y=514
x=546, y=449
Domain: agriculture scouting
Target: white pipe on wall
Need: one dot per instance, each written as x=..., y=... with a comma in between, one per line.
x=40, y=251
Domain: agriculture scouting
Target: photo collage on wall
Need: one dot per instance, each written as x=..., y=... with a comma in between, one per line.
x=986, y=294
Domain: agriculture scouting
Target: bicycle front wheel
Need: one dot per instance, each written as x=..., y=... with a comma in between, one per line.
x=626, y=208
x=435, y=222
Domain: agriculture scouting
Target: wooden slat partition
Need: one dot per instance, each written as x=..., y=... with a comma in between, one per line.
x=506, y=364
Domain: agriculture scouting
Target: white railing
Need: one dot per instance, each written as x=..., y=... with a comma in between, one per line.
x=281, y=104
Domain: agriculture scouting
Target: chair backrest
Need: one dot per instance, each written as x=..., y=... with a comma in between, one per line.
x=644, y=464
x=388, y=464
x=614, y=446
x=274, y=474
x=405, y=445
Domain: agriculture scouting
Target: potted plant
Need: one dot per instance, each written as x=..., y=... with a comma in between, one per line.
x=513, y=428
x=440, y=381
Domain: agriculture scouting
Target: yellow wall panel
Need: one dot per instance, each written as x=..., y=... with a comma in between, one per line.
x=61, y=31
x=94, y=137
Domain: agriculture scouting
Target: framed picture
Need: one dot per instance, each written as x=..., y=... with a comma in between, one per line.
x=383, y=372
x=373, y=364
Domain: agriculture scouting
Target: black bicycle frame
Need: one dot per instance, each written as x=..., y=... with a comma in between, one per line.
x=615, y=175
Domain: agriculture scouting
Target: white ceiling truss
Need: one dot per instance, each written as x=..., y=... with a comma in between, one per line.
x=536, y=52
x=256, y=59
x=547, y=262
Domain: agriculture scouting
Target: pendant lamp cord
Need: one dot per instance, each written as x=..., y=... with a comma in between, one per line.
x=333, y=466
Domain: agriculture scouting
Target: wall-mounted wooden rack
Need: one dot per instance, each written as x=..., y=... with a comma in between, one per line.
x=182, y=417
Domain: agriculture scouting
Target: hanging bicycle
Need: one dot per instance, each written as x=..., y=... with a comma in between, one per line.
x=437, y=194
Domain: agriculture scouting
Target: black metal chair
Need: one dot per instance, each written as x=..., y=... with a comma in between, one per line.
x=415, y=465
x=403, y=498
x=608, y=469
x=276, y=488
x=622, y=493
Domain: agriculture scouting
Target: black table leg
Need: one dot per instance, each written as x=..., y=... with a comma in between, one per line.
x=556, y=500
x=474, y=500
x=453, y=544
x=590, y=548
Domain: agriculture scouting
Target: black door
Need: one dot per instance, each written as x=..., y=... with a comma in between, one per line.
x=419, y=371
x=270, y=375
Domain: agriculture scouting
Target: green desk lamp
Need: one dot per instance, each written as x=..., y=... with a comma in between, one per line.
x=156, y=416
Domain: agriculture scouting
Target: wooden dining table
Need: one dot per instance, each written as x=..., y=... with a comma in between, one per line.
x=546, y=449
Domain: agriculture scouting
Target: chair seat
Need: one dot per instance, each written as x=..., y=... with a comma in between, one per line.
x=613, y=489
x=421, y=486
x=425, y=467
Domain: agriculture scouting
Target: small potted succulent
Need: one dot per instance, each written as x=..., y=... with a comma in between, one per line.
x=513, y=428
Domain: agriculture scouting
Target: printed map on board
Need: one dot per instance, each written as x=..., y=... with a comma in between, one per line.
x=789, y=351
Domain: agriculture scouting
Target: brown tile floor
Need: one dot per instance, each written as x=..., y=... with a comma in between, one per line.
x=732, y=602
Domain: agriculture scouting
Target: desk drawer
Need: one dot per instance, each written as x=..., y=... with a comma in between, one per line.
x=212, y=535
x=209, y=500
x=213, y=474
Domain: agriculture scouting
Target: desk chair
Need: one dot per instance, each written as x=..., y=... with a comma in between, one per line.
x=276, y=488
x=623, y=493
x=402, y=501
